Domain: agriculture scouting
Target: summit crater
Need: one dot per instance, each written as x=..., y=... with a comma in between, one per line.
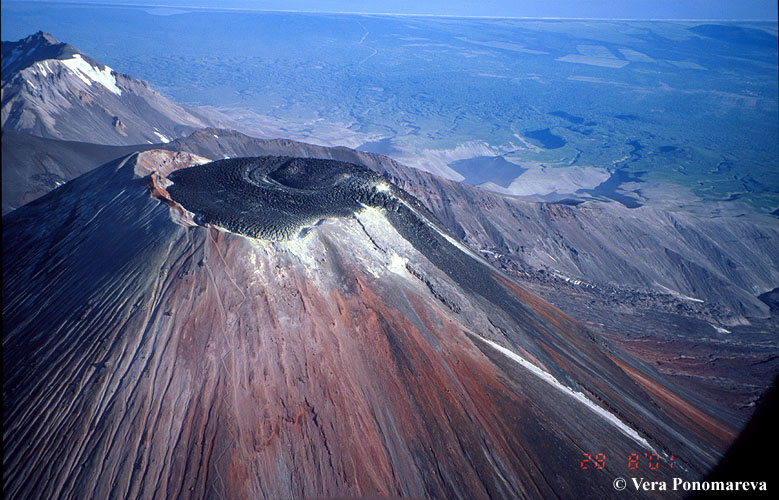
x=277, y=197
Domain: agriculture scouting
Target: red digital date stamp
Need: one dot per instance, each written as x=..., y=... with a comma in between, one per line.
x=651, y=461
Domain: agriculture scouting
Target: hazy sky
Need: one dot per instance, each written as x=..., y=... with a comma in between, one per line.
x=619, y=9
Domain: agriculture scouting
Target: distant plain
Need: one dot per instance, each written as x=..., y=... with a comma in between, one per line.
x=627, y=111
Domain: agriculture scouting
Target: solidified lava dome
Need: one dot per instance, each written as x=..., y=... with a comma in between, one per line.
x=277, y=197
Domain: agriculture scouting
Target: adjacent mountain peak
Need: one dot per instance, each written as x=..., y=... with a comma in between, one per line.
x=38, y=47
x=41, y=38
x=51, y=89
x=41, y=48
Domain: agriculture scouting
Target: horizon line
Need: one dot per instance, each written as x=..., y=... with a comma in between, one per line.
x=449, y=16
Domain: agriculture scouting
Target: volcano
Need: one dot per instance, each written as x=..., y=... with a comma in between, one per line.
x=280, y=327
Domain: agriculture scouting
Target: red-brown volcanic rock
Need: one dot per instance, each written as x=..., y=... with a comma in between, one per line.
x=151, y=359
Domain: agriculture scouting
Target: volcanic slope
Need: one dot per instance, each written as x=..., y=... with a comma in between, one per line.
x=52, y=90
x=33, y=166
x=726, y=261
x=583, y=259
x=693, y=262
x=155, y=348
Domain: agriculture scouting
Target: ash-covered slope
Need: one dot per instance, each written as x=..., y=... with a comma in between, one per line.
x=33, y=166
x=52, y=90
x=149, y=356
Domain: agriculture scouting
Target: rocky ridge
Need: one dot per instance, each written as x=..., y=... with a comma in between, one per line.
x=51, y=89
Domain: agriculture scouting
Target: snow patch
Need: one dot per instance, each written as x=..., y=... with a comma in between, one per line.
x=720, y=329
x=44, y=68
x=573, y=281
x=397, y=264
x=548, y=378
x=679, y=295
x=89, y=74
x=161, y=137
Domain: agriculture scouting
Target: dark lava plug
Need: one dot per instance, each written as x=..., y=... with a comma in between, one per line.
x=277, y=197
